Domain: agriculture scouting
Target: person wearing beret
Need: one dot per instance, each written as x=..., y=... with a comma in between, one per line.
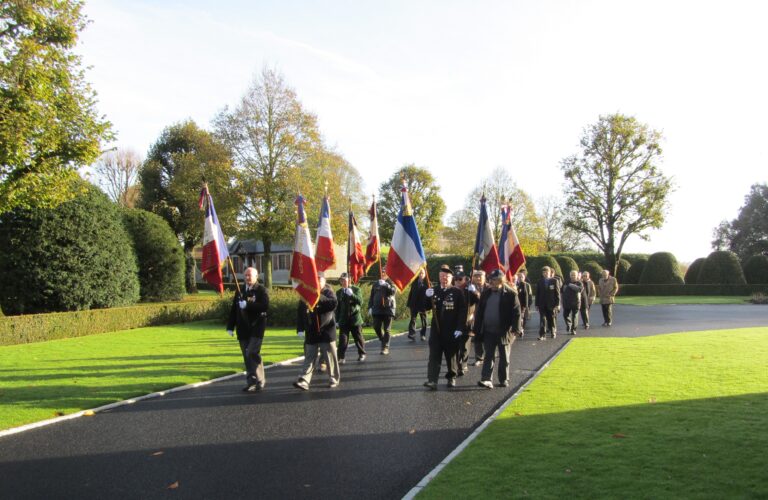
x=348, y=318
x=416, y=306
x=449, y=318
x=471, y=297
x=381, y=307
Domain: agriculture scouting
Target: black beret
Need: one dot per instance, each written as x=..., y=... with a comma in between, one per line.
x=445, y=268
x=496, y=273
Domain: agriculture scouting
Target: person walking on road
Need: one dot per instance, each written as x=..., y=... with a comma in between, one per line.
x=498, y=321
x=607, y=288
x=318, y=327
x=248, y=315
x=571, y=295
x=471, y=298
x=416, y=306
x=478, y=280
x=349, y=299
x=588, y=295
x=547, y=302
x=525, y=297
x=381, y=307
x=449, y=316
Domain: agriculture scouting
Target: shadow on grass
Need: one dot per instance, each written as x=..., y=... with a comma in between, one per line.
x=706, y=448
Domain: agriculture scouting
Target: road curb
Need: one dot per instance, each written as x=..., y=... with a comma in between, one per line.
x=434, y=472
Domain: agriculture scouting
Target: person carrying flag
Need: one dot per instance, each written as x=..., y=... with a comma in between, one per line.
x=381, y=307
x=348, y=318
x=416, y=306
x=318, y=327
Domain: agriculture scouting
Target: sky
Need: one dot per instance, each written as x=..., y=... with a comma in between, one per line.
x=463, y=87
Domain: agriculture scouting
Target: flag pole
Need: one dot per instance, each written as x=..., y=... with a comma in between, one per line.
x=349, y=233
x=234, y=274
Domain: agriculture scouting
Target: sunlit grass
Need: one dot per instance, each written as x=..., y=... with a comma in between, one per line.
x=680, y=299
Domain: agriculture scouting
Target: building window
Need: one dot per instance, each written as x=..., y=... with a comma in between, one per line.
x=281, y=262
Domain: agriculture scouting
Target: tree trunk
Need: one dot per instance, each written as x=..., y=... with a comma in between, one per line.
x=267, y=263
x=189, y=272
x=611, y=262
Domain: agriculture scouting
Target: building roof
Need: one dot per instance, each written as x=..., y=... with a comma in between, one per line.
x=245, y=247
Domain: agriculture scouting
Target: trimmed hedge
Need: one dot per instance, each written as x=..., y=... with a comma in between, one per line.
x=674, y=290
x=692, y=274
x=567, y=264
x=535, y=264
x=661, y=269
x=721, y=267
x=41, y=327
x=632, y=276
x=622, y=269
x=594, y=269
x=756, y=269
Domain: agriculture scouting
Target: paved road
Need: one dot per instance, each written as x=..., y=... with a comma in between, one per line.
x=375, y=436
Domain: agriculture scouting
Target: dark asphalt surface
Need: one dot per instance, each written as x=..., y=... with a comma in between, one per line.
x=374, y=436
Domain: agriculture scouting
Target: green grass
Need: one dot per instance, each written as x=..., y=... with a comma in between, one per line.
x=680, y=299
x=670, y=416
x=47, y=379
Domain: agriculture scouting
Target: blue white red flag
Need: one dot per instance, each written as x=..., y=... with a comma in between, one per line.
x=406, y=255
x=325, y=255
x=486, y=255
x=355, y=255
x=303, y=269
x=372, y=249
x=511, y=253
x=215, y=252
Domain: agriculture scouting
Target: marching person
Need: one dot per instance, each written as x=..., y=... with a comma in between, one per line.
x=471, y=298
x=588, y=295
x=478, y=280
x=571, y=295
x=547, y=302
x=416, y=306
x=498, y=321
x=349, y=298
x=525, y=297
x=607, y=288
x=248, y=316
x=318, y=327
x=449, y=316
x=381, y=307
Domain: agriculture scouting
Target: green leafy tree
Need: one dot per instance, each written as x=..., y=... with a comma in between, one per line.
x=614, y=188
x=747, y=234
x=557, y=235
x=428, y=205
x=49, y=125
x=270, y=135
x=183, y=157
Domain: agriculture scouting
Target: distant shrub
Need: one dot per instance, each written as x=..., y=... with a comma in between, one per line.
x=535, y=265
x=721, y=267
x=756, y=270
x=635, y=271
x=621, y=269
x=567, y=264
x=692, y=274
x=759, y=298
x=662, y=268
x=594, y=269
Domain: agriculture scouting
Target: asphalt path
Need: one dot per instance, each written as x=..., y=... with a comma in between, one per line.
x=375, y=436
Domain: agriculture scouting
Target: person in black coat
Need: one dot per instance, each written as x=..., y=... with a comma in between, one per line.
x=547, y=302
x=471, y=298
x=318, y=327
x=381, y=307
x=449, y=319
x=248, y=316
x=525, y=297
x=498, y=320
x=571, y=296
x=416, y=306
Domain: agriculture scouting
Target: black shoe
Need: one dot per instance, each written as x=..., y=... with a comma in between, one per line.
x=503, y=384
x=430, y=385
x=586, y=327
x=412, y=338
x=542, y=337
x=250, y=388
x=486, y=384
x=451, y=382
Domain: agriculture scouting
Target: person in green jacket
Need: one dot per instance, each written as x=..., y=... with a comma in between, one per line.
x=348, y=318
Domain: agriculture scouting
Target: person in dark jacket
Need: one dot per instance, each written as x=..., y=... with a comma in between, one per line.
x=248, y=316
x=547, y=302
x=471, y=298
x=381, y=307
x=588, y=295
x=318, y=327
x=498, y=320
x=525, y=297
x=349, y=298
x=478, y=280
x=571, y=296
x=416, y=306
x=449, y=317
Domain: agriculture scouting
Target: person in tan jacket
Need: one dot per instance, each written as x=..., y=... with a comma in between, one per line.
x=607, y=288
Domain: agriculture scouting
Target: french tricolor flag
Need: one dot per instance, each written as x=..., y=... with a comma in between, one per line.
x=372, y=248
x=486, y=253
x=355, y=256
x=512, y=257
x=215, y=252
x=325, y=256
x=406, y=255
x=303, y=270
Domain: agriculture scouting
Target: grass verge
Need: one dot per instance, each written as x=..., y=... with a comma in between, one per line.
x=48, y=379
x=672, y=416
x=679, y=299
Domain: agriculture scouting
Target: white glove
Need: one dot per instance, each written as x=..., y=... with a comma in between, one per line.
x=230, y=333
x=382, y=282
x=430, y=292
x=348, y=291
x=242, y=304
x=471, y=288
x=457, y=334
x=300, y=334
x=370, y=312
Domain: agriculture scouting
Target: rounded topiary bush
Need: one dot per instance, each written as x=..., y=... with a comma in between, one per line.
x=567, y=264
x=756, y=270
x=593, y=268
x=721, y=267
x=661, y=269
x=621, y=270
x=535, y=264
x=632, y=277
x=75, y=256
x=159, y=254
x=692, y=274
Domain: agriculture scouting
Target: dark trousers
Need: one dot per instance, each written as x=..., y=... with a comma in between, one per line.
x=462, y=356
x=607, y=313
x=525, y=313
x=437, y=351
x=412, y=323
x=569, y=315
x=548, y=321
x=492, y=343
x=381, y=325
x=584, y=315
x=479, y=348
x=357, y=335
x=254, y=365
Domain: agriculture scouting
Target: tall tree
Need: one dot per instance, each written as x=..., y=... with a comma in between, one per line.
x=269, y=134
x=614, y=188
x=428, y=205
x=747, y=234
x=558, y=236
x=49, y=124
x=117, y=173
x=183, y=157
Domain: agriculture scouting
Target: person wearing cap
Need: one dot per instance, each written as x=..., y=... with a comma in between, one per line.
x=498, y=321
x=318, y=327
x=525, y=296
x=349, y=299
x=471, y=298
x=588, y=295
x=478, y=280
x=571, y=295
x=416, y=306
x=449, y=316
x=547, y=302
x=381, y=307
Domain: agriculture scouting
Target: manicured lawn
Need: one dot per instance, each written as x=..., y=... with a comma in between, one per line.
x=46, y=379
x=681, y=299
x=671, y=416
